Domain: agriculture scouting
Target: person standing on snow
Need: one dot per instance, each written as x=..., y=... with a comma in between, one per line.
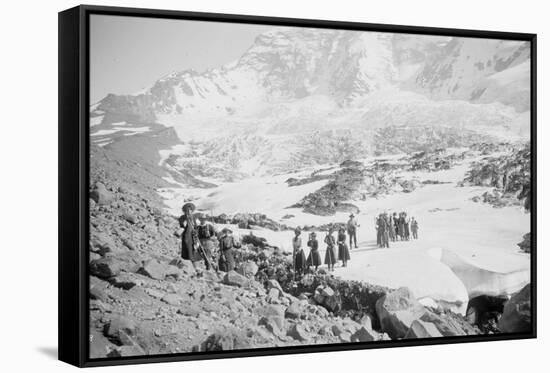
x=385, y=227
x=391, y=228
x=314, y=258
x=298, y=255
x=414, y=228
x=343, y=250
x=407, y=226
x=330, y=255
x=352, y=231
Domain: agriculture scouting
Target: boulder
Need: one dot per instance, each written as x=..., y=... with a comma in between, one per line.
x=123, y=280
x=345, y=337
x=101, y=195
x=105, y=267
x=119, y=327
x=327, y=291
x=366, y=322
x=273, y=314
x=172, y=299
x=154, y=269
x=422, y=329
x=444, y=324
x=274, y=284
x=129, y=217
x=94, y=256
x=338, y=329
x=225, y=341
x=364, y=334
x=332, y=303
x=128, y=243
x=293, y=311
x=97, y=289
x=102, y=243
x=273, y=295
x=126, y=351
x=185, y=265
x=234, y=279
x=248, y=269
x=298, y=332
x=525, y=245
x=516, y=317
x=99, y=345
x=397, y=310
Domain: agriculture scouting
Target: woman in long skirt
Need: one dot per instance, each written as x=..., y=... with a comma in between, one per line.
x=314, y=258
x=298, y=252
x=330, y=255
x=189, y=236
x=402, y=226
x=343, y=250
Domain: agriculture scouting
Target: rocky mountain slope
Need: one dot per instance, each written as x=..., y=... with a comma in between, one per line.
x=508, y=173
x=294, y=88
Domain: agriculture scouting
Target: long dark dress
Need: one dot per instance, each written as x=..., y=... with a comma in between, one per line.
x=314, y=258
x=330, y=255
x=188, y=251
x=299, y=255
x=343, y=250
x=402, y=227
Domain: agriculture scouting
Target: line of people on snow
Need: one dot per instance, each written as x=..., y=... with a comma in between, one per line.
x=394, y=227
x=337, y=250
x=198, y=241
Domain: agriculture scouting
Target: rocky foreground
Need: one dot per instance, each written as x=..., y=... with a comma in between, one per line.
x=144, y=299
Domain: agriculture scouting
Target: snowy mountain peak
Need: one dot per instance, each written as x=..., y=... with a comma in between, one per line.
x=292, y=83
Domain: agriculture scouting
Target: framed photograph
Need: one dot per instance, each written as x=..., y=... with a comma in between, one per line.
x=235, y=186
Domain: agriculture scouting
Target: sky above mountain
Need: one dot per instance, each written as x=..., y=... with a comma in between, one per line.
x=129, y=54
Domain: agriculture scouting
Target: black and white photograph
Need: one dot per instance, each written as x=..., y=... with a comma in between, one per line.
x=256, y=186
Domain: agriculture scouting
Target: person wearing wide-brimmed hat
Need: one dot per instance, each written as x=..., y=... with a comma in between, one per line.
x=298, y=254
x=228, y=244
x=330, y=254
x=343, y=250
x=314, y=258
x=352, y=230
x=189, y=239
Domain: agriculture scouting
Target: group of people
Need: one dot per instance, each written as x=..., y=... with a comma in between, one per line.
x=394, y=227
x=198, y=241
x=337, y=250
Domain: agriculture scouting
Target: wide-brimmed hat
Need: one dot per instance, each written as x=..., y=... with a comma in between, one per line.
x=188, y=206
x=227, y=230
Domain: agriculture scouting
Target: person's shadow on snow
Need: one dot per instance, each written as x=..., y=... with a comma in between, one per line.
x=365, y=246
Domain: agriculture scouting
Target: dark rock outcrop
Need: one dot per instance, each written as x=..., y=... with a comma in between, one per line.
x=516, y=317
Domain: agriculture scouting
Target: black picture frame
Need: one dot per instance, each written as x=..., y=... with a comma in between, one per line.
x=74, y=149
